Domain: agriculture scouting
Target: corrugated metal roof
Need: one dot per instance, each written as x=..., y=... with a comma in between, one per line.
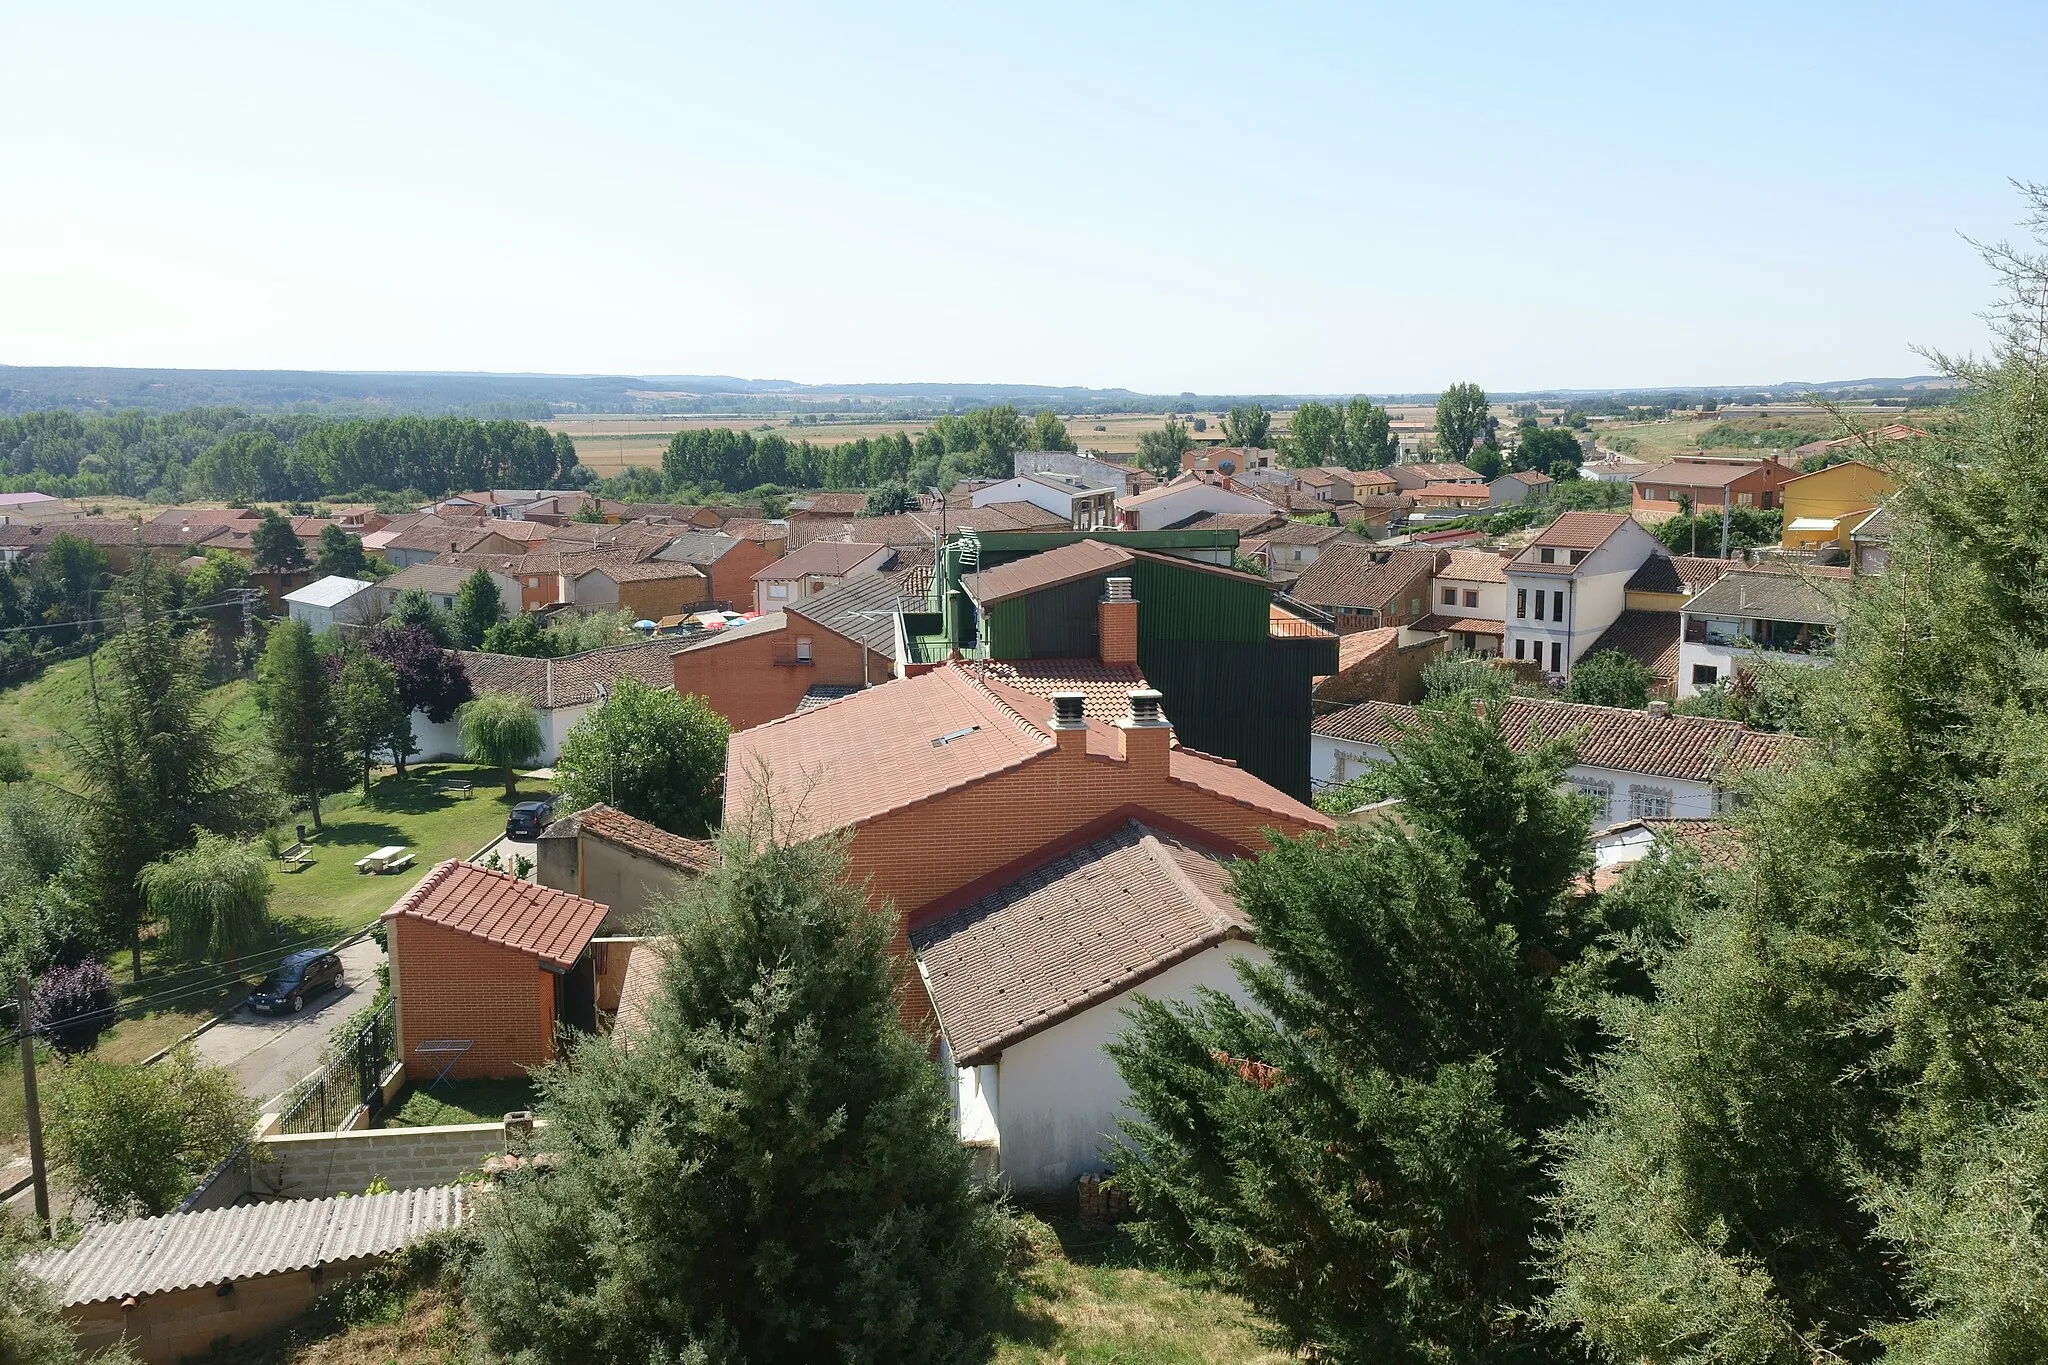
x=185, y=1250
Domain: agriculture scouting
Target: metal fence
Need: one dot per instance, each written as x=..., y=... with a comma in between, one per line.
x=351, y=1078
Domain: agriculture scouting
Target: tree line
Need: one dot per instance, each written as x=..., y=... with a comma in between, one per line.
x=976, y=444
x=231, y=455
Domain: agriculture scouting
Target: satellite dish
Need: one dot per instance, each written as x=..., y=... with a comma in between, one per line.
x=1227, y=466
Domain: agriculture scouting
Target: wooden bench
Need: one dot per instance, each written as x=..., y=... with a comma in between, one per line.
x=455, y=788
x=297, y=858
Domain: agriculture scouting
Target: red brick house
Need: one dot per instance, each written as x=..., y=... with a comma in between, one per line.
x=1709, y=481
x=487, y=965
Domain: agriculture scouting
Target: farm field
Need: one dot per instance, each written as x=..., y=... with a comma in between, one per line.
x=1661, y=440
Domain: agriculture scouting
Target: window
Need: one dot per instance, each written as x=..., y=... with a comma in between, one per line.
x=1601, y=794
x=533, y=582
x=1521, y=605
x=1547, y=555
x=1450, y=597
x=1649, y=803
x=1415, y=606
x=1705, y=675
x=1471, y=597
x=803, y=649
x=778, y=591
x=1649, y=494
x=1556, y=657
x=1557, y=605
x=1745, y=499
x=1578, y=556
x=1518, y=647
x=1539, y=604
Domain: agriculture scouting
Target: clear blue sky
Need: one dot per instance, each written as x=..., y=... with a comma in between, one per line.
x=1175, y=196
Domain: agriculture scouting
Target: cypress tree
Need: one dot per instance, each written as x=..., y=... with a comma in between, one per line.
x=298, y=707
x=770, y=1173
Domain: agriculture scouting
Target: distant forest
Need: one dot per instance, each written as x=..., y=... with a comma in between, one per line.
x=234, y=456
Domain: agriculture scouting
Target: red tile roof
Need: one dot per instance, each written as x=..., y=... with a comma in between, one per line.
x=1475, y=566
x=832, y=504
x=1346, y=575
x=1356, y=647
x=1472, y=625
x=647, y=840
x=1702, y=473
x=1048, y=569
x=1648, y=637
x=1072, y=933
x=497, y=907
x=1693, y=748
x=1580, y=530
x=1107, y=687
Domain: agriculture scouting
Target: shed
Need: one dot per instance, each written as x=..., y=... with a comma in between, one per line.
x=327, y=602
x=174, y=1285
x=484, y=966
x=630, y=864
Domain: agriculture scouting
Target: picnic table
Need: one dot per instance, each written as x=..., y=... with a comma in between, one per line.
x=454, y=788
x=390, y=858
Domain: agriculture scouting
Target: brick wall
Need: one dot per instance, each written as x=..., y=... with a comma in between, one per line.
x=753, y=679
x=651, y=599
x=453, y=986
x=732, y=574
x=319, y=1165
x=1118, y=632
x=186, y=1322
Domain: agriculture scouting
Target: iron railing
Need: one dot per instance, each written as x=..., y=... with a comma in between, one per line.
x=352, y=1077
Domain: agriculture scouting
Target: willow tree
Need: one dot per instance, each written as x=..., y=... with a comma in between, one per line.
x=501, y=731
x=214, y=898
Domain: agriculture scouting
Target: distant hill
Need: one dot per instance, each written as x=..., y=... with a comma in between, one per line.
x=533, y=396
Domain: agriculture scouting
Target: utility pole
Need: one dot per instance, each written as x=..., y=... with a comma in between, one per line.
x=33, y=1111
x=1724, y=523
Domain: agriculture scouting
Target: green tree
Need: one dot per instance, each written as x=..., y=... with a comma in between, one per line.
x=341, y=554
x=1547, y=450
x=770, y=1174
x=412, y=607
x=1315, y=436
x=654, y=754
x=297, y=703
x=1700, y=534
x=1248, y=425
x=1048, y=432
x=1356, y=1152
x=522, y=635
x=478, y=607
x=69, y=575
x=33, y=1330
x=1609, y=678
x=1159, y=451
x=1368, y=435
x=889, y=498
x=155, y=758
x=214, y=897
x=1486, y=460
x=276, y=547
x=1820, y=1136
x=501, y=731
x=138, y=1139
x=1464, y=675
x=1461, y=420
x=370, y=711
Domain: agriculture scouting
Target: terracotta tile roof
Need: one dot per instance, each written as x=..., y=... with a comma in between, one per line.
x=1475, y=566
x=647, y=840
x=204, y=516
x=1471, y=625
x=98, y=530
x=832, y=504
x=1244, y=523
x=1303, y=533
x=754, y=528
x=1580, y=530
x=1527, y=477
x=551, y=683
x=827, y=558
x=672, y=512
x=1314, y=476
x=642, y=571
x=1391, y=502
x=1107, y=687
x=1693, y=748
x=1466, y=492
x=1074, y=932
x=500, y=908
x=1440, y=471
x=1357, y=646
x=1347, y=575
x=438, y=536
x=1048, y=569
x=886, y=735
x=636, y=993
x=1648, y=637
x=1678, y=573
x=1180, y=483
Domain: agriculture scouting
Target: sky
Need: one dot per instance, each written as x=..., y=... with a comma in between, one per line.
x=1171, y=197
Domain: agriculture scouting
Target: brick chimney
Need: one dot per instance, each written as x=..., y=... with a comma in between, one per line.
x=1118, y=618
x=1144, y=736
x=1070, y=722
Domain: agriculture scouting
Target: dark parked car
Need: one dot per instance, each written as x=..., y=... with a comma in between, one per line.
x=529, y=818
x=295, y=980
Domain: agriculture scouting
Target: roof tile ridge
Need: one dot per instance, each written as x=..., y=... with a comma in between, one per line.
x=986, y=689
x=436, y=874
x=1156, y=846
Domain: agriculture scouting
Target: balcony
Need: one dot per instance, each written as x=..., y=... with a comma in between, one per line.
x=1761, y=636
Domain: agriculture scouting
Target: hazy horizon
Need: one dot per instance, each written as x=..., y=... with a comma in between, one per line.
x=1321, y=200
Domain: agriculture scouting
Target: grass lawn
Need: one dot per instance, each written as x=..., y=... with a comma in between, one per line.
x=1092, y=1302
x=38, y=714
x=477, y=1101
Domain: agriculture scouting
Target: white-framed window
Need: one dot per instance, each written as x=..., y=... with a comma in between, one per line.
x=1599, y=791
x=778, y=591
x=803, y=649
x=1649, y=803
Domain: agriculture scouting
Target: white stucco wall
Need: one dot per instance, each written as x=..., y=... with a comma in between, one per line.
x=1027, y=490
x=1726, y=659
x=445, y=741
x=1621, y=795
x=1493, y=599
x=1190, y=500
x=1057, y=1095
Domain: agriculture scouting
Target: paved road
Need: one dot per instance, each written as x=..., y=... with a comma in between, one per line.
x=269, y=1053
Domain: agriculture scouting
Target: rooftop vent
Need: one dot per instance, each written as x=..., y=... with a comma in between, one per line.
x=1120, y=590
x=943, y=740
x=1069, y=710
x=1145, y=707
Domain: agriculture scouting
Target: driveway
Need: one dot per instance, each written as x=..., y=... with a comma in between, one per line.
x=269, y=1053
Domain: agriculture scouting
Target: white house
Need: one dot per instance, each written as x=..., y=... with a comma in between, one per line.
x=1570, y=585
x=1118, y=478
x=333, y=601
x=1468, y=600
x=1086, y=506
x=1751, y=615
x=1029, y=982
x=561, y=691
x=1633, y=764
x=816, y=568
x=1190, y=495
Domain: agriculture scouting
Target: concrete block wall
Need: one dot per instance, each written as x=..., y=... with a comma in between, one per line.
x=317, y=1165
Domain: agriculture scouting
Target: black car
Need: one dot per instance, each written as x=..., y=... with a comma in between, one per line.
x=529, y=818
x=295, y=979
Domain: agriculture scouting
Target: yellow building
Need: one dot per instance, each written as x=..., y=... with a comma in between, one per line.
x=1822, y=508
